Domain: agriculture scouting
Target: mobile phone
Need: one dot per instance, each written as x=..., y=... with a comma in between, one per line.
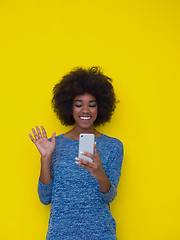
x=86, y=144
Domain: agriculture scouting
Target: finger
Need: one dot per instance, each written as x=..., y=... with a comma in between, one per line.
x=39, y=132
x=84, y=162
x=35, y=134
x=96, y=153
x=84, y=166
x=44, y=132
x=88, y=155
x=53, y=138
x=32, y=139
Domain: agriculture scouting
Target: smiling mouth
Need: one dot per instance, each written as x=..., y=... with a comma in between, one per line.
x=85, y=118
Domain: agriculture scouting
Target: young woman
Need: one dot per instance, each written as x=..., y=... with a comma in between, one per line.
x=80, y=191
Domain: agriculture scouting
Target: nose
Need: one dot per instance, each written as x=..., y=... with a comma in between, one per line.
x=85, y=109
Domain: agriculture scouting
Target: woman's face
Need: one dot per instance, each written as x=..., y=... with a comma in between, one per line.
x=85, y=111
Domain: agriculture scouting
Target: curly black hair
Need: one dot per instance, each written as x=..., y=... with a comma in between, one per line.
x=78, y=82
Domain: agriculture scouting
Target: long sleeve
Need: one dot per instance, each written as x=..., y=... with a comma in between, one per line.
x=113, y=173
x=45, y=190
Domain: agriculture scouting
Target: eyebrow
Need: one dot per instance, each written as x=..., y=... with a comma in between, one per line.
x=81, y=100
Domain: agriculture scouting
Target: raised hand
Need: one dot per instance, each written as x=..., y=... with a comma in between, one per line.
x=44, y=146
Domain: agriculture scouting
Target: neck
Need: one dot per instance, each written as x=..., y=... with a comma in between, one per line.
x=75, y=132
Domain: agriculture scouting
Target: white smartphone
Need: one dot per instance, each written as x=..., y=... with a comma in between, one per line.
x=86, y=144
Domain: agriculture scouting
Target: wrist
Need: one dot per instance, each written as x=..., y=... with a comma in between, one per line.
x=102, y=176
x=104, y=184
x=46, y=158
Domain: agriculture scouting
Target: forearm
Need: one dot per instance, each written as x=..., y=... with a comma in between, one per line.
x=45, y=174
x=104, y=183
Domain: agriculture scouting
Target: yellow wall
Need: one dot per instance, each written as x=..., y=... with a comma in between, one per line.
x=137, y=44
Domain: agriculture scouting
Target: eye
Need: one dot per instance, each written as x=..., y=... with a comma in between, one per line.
x=94, y=105
x=77, y=105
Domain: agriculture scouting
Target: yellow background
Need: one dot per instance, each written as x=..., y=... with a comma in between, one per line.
x=136, y=42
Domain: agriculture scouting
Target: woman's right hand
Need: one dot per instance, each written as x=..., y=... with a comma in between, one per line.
x=44, y=146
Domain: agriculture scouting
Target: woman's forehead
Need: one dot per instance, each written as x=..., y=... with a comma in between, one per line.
x=85, y=97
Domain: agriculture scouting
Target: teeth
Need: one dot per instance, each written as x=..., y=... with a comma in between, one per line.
x=85, y=118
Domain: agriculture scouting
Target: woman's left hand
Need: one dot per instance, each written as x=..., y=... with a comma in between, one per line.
x=95, y=167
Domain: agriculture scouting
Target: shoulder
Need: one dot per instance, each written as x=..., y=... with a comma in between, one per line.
x=107, y=139
x=59, y=138
x=62, y=140
x=109, y=142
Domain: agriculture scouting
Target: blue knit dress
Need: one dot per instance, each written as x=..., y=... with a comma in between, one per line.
x=79, y=211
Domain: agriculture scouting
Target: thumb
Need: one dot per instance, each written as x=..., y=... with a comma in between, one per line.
x=53, y=140
x=95, y=149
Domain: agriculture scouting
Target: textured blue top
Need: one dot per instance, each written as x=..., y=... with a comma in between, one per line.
x=79, y=211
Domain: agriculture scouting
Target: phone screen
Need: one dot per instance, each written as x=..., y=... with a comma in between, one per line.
x=86, y=144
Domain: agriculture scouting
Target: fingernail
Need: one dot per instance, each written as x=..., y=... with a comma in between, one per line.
x=77, y=162
x=76, y=158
